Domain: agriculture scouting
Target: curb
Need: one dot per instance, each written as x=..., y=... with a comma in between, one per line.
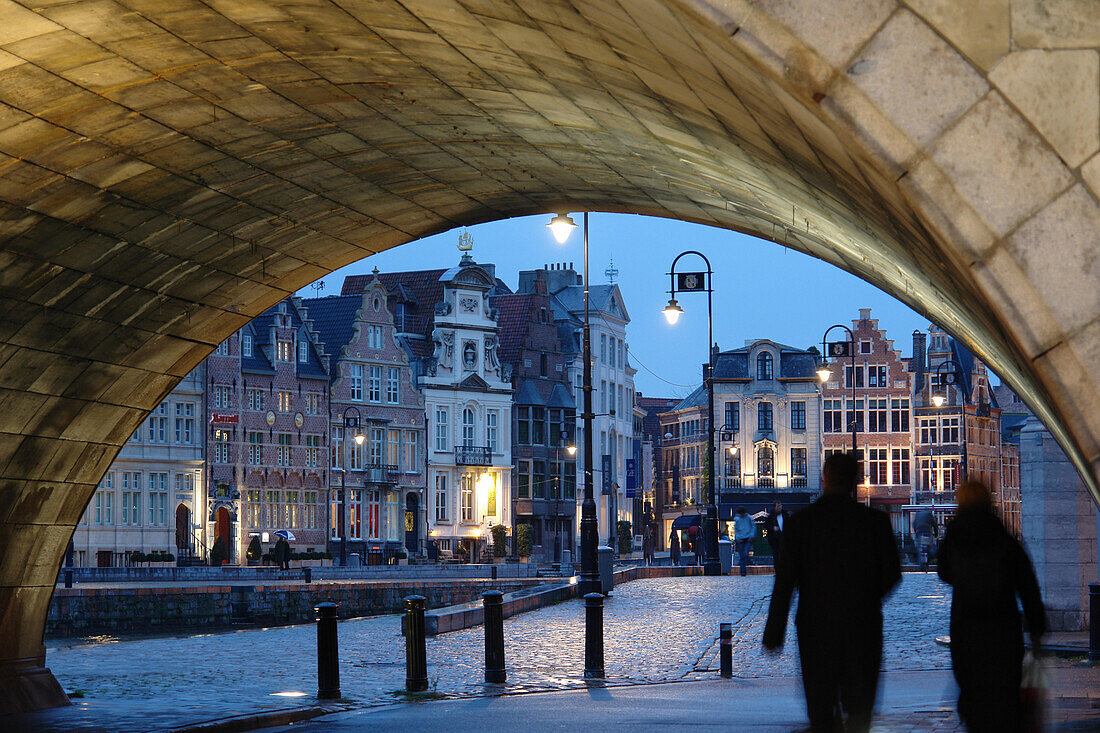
x=256, y=721
x=1061, y=651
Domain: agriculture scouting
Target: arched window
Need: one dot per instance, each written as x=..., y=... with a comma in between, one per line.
x=764, y=366
x=468, y=426
x=764, y=416
x=765, y=462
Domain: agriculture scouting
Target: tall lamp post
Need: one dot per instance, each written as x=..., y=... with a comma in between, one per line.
x=561, y=226
x=940, y=398
x=835, y=350
x=350, y=423
x=699, y=282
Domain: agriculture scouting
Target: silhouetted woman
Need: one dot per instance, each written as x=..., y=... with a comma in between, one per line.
x=987, y=569
x=674, y=547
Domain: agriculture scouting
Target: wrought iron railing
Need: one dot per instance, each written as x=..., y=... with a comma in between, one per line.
x=473, y=455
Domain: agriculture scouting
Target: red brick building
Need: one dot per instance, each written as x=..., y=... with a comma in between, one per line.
x=882, y=414
x=266, y=445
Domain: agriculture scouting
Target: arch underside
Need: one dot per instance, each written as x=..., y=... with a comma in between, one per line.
x=168, y=170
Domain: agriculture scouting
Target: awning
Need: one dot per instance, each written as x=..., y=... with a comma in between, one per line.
x=687, y=520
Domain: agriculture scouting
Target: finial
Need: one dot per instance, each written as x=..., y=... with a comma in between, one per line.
x=465, y=242
x=611, y=272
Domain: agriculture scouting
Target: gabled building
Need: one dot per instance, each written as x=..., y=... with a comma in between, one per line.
x=267, y=427
x=377, y=488
x=544, y=454
x=655, y=486
x=683, y=447
x=881, y=385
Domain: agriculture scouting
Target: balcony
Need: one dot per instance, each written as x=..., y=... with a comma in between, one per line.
x=381, y=473
x=929, y=496
x=473, y=455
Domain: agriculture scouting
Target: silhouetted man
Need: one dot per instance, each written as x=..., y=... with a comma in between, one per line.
x=843, y=559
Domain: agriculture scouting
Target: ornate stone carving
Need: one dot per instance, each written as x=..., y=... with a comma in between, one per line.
x=468, y=305
x=444, y=347
x=469, y=355
x=492, y=362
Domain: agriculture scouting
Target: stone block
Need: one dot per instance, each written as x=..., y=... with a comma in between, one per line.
x=980, y=29
x=835, y=28
x=1055, y=23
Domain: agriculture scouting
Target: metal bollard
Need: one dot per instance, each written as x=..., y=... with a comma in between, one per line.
x=725, y=649
x=494, y=572
x=416, y=655
x=307, y=575
x=328, y=662
x=1094, y=622
x=68, y=577
x=593, y=636
x=493, y=601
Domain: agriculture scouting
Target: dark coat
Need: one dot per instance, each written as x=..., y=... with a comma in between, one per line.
x=771, y=526
x=843, y=559
x=674, y=547
x=282, y=551
x=988, y=569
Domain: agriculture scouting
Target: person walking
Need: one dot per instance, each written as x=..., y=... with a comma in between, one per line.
x=282, y=553
x=988, y=569
x=842, y=558
x=773, y=526
x=744, y=532
x=674, y=547
x=927, y=530
x=647, y=548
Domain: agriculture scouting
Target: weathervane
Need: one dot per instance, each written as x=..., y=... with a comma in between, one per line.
x=611, y=272
x=465, y=242
x=318, y=286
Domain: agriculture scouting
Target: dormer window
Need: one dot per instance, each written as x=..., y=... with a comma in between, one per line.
x=303, y=351
x=764, y=366
x=246, y=344
x=284, y=351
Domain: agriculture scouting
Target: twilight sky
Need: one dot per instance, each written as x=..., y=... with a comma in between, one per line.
x=761, y=289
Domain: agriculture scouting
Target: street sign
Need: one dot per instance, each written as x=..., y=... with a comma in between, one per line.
x=838, y=348
x=691, y=281
x=605, y=470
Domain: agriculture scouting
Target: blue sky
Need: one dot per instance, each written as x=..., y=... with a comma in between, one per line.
x=761, y=289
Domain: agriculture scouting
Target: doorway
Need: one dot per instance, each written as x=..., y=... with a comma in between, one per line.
x=412, y=510
x=183, y=530
x=221, y=532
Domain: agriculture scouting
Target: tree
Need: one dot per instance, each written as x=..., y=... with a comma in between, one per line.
x=219, y=553
x=523, y=540
x=254, y=551
x=626, y=540
x=500, y=534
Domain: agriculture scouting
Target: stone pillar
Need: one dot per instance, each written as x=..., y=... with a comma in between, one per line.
x=1058, y=523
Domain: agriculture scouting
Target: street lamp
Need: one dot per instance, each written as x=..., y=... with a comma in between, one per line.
x=698, y=282
x=561, y=226
x=350, y=423
x=836, y=349
x=939, y=399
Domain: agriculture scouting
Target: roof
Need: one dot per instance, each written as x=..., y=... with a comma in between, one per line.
x=333, y=320
x=417, y=290
x=698, y=398
x=528, y=394
x=561, y=397
x=794, y=363
x=568, y=302
x=513, y=317
x=261, y=333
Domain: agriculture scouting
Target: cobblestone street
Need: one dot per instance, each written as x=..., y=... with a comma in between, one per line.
x=655, y=630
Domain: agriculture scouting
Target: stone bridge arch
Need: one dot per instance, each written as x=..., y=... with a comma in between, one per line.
x=170, y=169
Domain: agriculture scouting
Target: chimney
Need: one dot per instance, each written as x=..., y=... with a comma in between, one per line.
x=864, y=314
x=919, y=342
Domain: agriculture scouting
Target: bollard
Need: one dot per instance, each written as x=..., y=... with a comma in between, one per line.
x=307, y=575
x=593, y=636
x=328, y=662
x=493, y=601
x=494, y=572
x=1094, y=622
x=68, y=577
x=725, y=649
x=416, y=656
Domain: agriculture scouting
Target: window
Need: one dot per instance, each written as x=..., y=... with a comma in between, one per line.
x=538, y=480
x=158, y=424
x=603, y=348
x=355, y=382
x=377, y=444
x=246, y=344
x=313, y=450
x=221, y=446
x=103, y=508
x=185, y=423
x=467, y=497
x=901, y=465
x=221, y=396
x=523, y=480
x=292, y=512
x=611, y=352
x=412, y=450
x=336, y=459
x=765, y=467
x=859, y=374
x=441, y=497
x=131, y=505
x=764, y=416
x=798, y=467
x=271, y=509
x=798, y=416
x=375, y=384
x=283, y=351
x=855, y=417
x=876, y=376
x=392, y=382
x=603, y=395
x=833, y=422
x=185, y=482
x=255, y=399
x=441, y=429
x=255, y=448
x=899, y=415
x=393, y=448
x=467, y=426
x=733, y=416
x=374, y=337
x=252, y=509
x=865, y=346
x=222, y=349
x=303, y=351
x=334, y=516
x=542, y=365
x=877, y=466
x=313, y=403
x=158, y=499
x=876, y=415
x=283, y=401
x=764, y=366
x=949, y=430
x=538, y=425
x=492, y=420
x=283, y=455
x=569, y=481
x=309, y=510
x=523, y=425
x=622, y=361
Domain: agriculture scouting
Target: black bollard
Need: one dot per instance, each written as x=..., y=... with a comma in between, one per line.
x=593, y=636
x=68, y=577
x=725, y=649
x=493, y=601
x=416, y=655
x=1094, y=622
x=307, y=575
x=328, y=662
x=494, y=572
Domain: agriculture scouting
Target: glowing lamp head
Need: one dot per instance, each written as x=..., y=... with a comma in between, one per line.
x=938, y=400
x=672, y=312
x=571, y=450
x=824, y=373
x=733, y=450
x=561, y=226
x=359, y=437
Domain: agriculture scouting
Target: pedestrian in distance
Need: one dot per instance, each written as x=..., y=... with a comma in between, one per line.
x=674, y=547
x=647, y=548
x=988, y=570
x=773, y=526
x=927, y=530
x=843, y=559
x=282, y=553
x=744, y=532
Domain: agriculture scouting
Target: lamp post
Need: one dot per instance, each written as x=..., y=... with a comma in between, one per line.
x=940, y=398
x=350, y=423
x=836, y=349
x=701, y=282
x=562, y=226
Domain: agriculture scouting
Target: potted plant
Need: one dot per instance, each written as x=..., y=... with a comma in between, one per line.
x=500, y=535
x=523, y=542
x=254, y=551
x=402, y=557
x=625, y=539
x=326, y=559
x=219, y=552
